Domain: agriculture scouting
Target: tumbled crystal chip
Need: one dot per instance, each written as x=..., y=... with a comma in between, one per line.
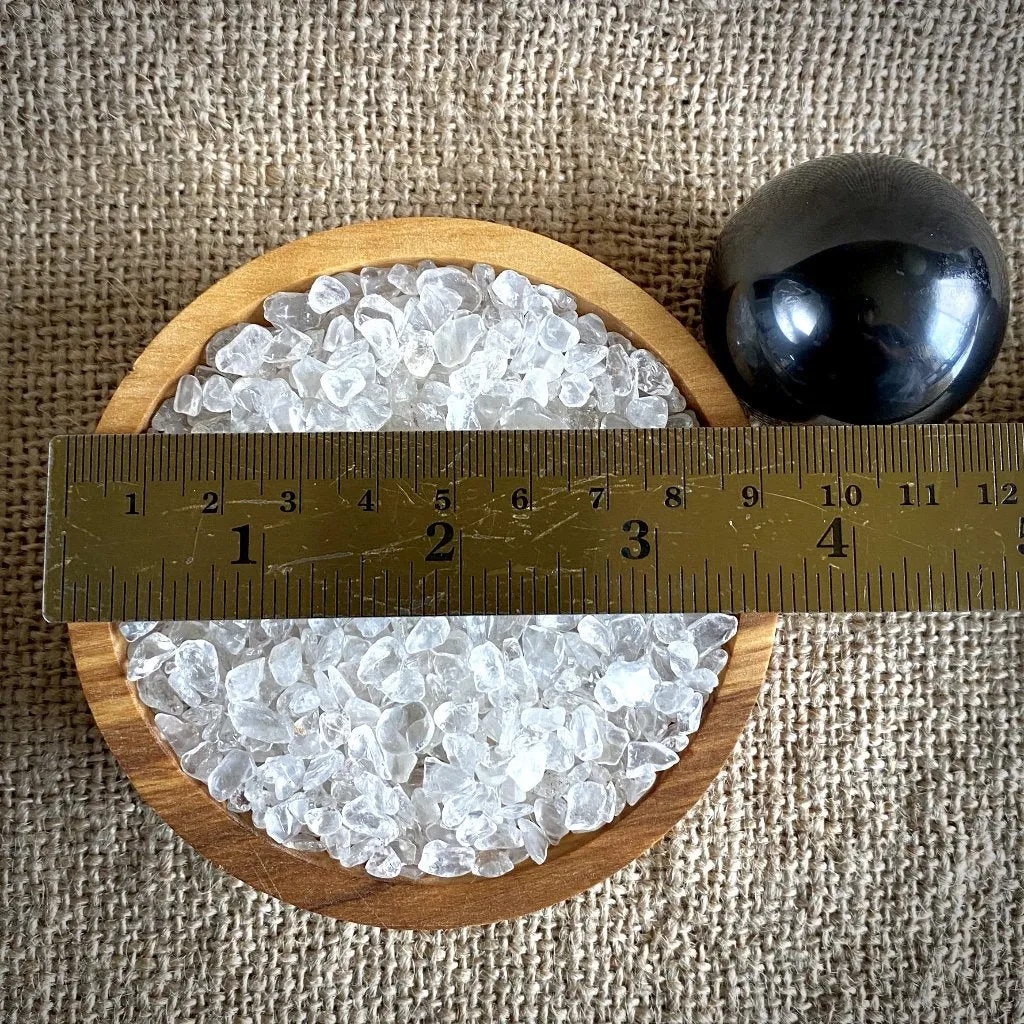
x=326, y=293
x=188, y=399
x=526, y=768
x=457, y=338
x=626, y=684
x=149, y=653
x=257, y=722
x=341, y=385
x=712, y=630
x=428, y=633
x=243, y=355
x=446, y=860
x=585, y=804
x=285, y=661
x=647, y=412
x=227, y=778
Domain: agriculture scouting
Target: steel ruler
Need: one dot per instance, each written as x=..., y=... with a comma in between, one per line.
x=238, y=526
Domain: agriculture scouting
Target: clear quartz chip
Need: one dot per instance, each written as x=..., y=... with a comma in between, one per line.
x=418, y=353
x=451, y=717
x=280, y=823
x=285, y=661
x=543, y=719
x=341, y=385
x=535, y=842
x=584, y=803
x=512, y=290
x=335, y=727
x=404, y=278
x=557, y=335
x=217, y=395
x=372, y=280
x=593, y=630
x=682, y=655
x=641, y=756
x=621, y=372
x=428, y=633
x=181, y=736
x=290, y=309
x=382, y=658
x=650, y=413
x=446, y=860
x=526, y=768
x=405, y=685
x=188, y=398
x=436, y=305
x=371, y=627
x=321, y=769
x=384, y=863
x=715, y=659
x=363, y=746
x=367, y=413
x=307, y=375
x=592, y=331
x=586, y=733
x=360, y=815
x=156, y=692
x=149, y=654
x=374, y=311
x=243, y=355
x=257, y=722
x=455, y=279
x=652, y=377
x=288, y=346
x=703, y=680
x=200, y=761
x=677, y=699
x=561, y=301
x=492, y=863
x=634, y=787
x=283, y=775
x=456, y=339
x=483, y=275
x=487, y=664
x=626, y=684
x=340, y=338
x=219, y=340
x=405, y=728
x=575, y=390
x=197, y=667
x=712, y=630
x=327, y=293
x=230, y=774
x=136, y=630
x=243, y=681
x=668, y=628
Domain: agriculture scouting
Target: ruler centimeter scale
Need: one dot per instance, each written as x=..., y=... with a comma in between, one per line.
x=241, y=526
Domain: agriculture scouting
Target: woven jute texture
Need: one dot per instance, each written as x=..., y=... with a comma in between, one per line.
x=860, y=858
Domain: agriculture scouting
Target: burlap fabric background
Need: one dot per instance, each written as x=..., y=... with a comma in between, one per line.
x=860, y=858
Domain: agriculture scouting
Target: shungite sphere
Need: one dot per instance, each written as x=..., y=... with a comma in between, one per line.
x=856, y=289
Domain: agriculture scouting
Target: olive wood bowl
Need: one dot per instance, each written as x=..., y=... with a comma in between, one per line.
x=313, y=880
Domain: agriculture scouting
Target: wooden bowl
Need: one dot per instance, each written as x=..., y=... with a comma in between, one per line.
x=315, y=881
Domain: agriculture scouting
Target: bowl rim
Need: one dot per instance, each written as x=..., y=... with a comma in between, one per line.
x=314, y=881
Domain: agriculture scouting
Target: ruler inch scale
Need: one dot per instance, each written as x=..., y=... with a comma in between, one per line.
x=782, y=519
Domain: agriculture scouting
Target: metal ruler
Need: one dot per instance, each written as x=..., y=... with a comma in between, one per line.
x=238, y=526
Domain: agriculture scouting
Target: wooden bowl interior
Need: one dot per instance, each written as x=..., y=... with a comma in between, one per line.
x=313, y=880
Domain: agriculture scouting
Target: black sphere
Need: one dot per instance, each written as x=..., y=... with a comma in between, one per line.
x=856, y=289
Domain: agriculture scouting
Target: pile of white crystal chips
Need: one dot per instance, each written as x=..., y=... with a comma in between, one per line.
x=432, y=745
